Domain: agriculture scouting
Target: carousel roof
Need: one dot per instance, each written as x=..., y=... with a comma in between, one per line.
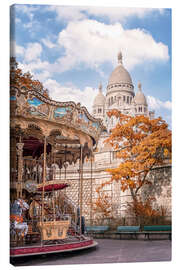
x=39, y=116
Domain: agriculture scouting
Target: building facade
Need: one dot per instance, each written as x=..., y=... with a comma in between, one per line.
x=120, y=95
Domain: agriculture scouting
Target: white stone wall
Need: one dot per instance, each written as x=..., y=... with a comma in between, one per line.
x=161, y=188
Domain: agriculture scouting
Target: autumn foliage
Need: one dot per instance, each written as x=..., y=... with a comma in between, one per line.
x=146, y=213
x=102, y=206
x=19, y=79
x=145, y=208
x=141, y=144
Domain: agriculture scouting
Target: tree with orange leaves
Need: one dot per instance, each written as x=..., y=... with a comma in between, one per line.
x=102, y=207
x=20, y=79
x=141, y=144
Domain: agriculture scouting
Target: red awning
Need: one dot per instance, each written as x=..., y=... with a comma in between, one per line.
x=33, y=147
x=52, y=187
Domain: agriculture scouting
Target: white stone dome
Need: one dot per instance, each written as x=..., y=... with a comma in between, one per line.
x=100, y=98
x=120, y=78
x=140, y=98
x=120, y=75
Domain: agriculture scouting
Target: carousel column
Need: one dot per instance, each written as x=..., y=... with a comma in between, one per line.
x=44, y=180
x=81, y=186
x=65, y=166
x=52, y=162
x=12, y=158
x=20, y=168
x=91, y=192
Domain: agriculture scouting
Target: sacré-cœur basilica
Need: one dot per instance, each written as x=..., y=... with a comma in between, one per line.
x=120, y=95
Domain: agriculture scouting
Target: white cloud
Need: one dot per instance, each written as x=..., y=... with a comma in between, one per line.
x=16, y=50
x=120, y=14
x=26, y=9
x=48, y=43
x=156, y=104
x=42, y=76
x=68, y=12
x=112, y=13
x=20, y=50
x=18, y=20
x=34, y=66
x=33, y=51
x=63, y=93
x=28, y=25
x=93, y=43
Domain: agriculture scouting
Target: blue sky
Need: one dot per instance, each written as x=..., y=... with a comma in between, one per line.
x=72, y=49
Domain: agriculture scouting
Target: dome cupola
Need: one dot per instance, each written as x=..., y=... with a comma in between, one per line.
x=140, y=98
x=120, y=78
x=100, y=98
x=99, y=104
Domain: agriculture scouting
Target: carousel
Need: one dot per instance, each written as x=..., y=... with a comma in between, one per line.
x=45, y=137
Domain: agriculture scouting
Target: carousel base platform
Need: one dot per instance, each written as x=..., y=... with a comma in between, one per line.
x=48, y=248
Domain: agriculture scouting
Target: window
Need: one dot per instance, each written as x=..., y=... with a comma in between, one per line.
x=94, y=111
x=99, y=110
x=114, y=156
x=124, y=98
x=128, y=99
x=111, y=100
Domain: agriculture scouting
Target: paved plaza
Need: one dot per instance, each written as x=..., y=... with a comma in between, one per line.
x=108, y=251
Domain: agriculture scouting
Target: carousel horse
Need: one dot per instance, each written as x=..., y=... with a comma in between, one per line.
x=17, y=226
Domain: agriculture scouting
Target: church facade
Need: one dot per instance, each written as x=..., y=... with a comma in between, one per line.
x=120, y=95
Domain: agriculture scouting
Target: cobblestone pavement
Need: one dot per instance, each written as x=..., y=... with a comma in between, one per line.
x=108, y=251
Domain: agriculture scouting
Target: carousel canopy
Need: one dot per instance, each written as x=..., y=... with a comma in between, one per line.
x=52, y=187
x=37, y=116
x=34, y=147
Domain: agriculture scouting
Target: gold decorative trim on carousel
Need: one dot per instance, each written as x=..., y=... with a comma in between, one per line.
x=54, y=230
